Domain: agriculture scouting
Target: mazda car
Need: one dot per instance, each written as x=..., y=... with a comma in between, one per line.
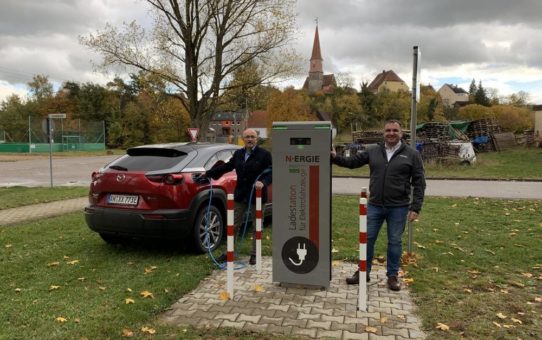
x=154, y=191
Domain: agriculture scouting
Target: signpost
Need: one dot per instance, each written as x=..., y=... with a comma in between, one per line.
x=50, y=128
x=193, y=132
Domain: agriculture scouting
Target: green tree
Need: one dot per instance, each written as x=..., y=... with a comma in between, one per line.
x=472, y=91
x=480, y=97
x=196, y=46
x=14, y=119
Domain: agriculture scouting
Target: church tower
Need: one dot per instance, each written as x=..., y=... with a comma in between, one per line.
x=316, y=70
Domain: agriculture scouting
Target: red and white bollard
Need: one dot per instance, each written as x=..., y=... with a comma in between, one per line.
x=259, y=217
x=362, y=294
x=230, y=247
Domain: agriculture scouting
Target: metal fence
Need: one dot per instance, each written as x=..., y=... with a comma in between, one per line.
x=66, y=135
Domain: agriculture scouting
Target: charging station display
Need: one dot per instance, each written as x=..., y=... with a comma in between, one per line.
x=301, y=203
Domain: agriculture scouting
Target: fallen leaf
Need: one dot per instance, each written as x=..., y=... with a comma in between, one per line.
x=81, y=279
x=508, y=326
x=129, y=301
x=65, y=257
x=501, y=316
x=442, y=326
x=336, y=263
x=150, y=269
x=516, y=320
x=148, y=330
x=53, y=264
x=146, y=294
x=17, y=290
x=497, y=324
x=402, y=317
x=538, y=299
x=454, y=205
x=224, y=296
x=435, y=269
x=408, y=280
x=127, y=333
x=8, y=246
x=370, y=329
x=529, y=275
x=73, y=262
x=61, y=319
x=129, y=290
x=334, y=250
x=473, y=271
x=517, y=284
x=102, y=288
x=53, y=287
x=383, y=319
x=466, y=290
x=258, y=288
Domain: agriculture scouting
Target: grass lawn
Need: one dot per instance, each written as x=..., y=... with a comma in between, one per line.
x=519, y=163
x=478, y=270
x=18, y=196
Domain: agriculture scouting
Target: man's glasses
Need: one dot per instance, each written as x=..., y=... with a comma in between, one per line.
x=250, y=136
x=392, y=130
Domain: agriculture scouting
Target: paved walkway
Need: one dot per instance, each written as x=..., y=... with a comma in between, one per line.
x=42, y=210
x=260, y=305
x=263, y=306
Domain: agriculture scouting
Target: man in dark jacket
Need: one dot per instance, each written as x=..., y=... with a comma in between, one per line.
x=395, y=168
x=250, y=164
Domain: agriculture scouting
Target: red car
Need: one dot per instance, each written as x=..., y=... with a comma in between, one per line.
x=152, y=192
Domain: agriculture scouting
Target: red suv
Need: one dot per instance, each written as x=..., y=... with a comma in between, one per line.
x=152, y=192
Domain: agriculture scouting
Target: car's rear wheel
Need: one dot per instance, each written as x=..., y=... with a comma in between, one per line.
x=111, y=238
x=208, y=229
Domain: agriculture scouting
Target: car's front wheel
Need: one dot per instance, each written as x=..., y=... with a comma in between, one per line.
x=208, y=229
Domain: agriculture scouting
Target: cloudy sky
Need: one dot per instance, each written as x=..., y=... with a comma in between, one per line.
x=495, y=41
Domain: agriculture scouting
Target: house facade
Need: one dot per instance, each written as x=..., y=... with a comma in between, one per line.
x=453, y=95
x=388, y=80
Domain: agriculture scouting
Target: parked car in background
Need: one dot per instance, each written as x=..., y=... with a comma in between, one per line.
x=153, y=192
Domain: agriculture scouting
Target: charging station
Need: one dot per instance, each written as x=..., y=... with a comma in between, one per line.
x=302, y=203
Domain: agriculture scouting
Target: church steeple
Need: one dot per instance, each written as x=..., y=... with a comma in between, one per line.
x=316, y=69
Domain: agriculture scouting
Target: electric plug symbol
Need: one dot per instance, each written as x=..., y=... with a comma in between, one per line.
x=301, y=253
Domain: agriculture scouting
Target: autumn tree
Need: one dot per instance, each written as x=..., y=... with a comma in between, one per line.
x=475, y=112
x=430, y=106
x=196, y=46
x=290, y=105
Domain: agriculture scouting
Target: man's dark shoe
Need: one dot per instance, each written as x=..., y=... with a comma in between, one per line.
x=354, y=279
x=222, y=258
x=393, y=283
x=252, y=260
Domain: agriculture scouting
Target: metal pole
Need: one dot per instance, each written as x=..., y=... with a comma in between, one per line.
x=29, y=136
x=413, y=115
x=50, y=137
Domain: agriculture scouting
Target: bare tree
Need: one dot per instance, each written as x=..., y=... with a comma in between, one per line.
x=196, y=46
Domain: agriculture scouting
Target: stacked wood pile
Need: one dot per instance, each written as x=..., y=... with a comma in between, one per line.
x=504, y=141
x=437, y=150
x=367, y=137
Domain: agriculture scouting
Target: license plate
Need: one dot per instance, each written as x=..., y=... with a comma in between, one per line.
x=123, y=199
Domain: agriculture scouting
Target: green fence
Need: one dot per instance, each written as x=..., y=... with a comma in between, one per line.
x=67, y=135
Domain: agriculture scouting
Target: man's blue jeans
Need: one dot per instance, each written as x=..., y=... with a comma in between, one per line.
x=395, y=218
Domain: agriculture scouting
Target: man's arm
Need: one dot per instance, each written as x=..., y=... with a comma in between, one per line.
x=358, y=160
x=418, y=184
x=217, y=171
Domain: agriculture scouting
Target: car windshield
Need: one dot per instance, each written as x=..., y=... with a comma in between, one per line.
x=149, y=159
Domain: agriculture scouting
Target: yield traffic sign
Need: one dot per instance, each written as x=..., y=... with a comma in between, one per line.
x=193, y=132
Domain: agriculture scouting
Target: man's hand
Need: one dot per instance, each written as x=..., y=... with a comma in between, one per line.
x=412, y=215
x=258, y=184
x=333, y=152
